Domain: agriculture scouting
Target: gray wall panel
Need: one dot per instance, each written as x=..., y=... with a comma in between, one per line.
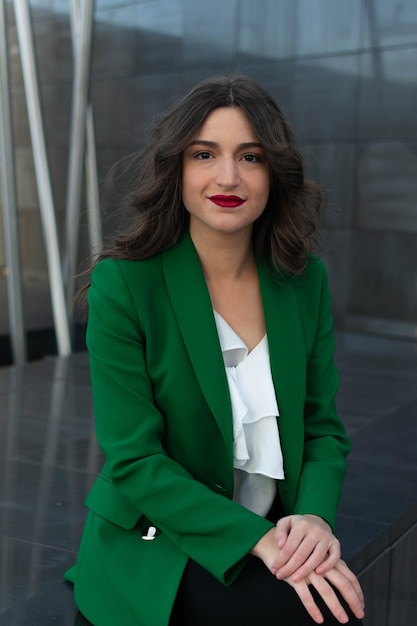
x=387, y=186
x=333, y=166
x=383, y=276
x=403, y=605
x=114, y=120
x=210, y=32
x=338, y=246
x=151, y=94
x=136, y=38
x=278, y=79
x=344, y=73
x=375, y=584
x=266, y=29
x=325, y=91
x=389, y=23
x=27, y=197
x=328, y=27
x=56, y=102
x=53, y=46
x=388, y=94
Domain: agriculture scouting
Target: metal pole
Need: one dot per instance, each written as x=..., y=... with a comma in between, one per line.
x=10, y=216
x=93, y=198
x=27, y=52
x=77, y=144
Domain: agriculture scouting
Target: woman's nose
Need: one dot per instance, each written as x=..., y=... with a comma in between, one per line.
x=228, y=173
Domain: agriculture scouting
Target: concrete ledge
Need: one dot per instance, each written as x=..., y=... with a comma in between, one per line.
x=377, y=521
x=49, y=458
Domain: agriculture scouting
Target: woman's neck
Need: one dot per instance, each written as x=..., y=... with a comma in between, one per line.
x=225, y=257
x=230, y=271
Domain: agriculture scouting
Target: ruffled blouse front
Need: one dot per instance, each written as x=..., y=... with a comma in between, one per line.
x=257, y=450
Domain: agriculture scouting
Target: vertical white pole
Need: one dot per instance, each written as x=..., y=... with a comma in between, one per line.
x=27, y=52
x=93, y=196
x=10, y=215
x=77, y=143
x=93, y=199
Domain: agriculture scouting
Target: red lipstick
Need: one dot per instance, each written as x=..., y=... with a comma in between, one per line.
x=227, y=201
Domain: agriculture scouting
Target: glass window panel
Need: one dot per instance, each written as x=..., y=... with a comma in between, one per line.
x=388, y=95
x=266, y=28
x=210, y=31
x=387, y=186
x=325, y=26
x=325, y=92
x=390, y=23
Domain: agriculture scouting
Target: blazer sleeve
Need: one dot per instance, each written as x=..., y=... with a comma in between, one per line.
x=211, y=529
x=325, y=442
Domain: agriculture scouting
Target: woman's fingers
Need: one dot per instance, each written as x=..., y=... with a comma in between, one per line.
x=310, y=555
x=304, y=558
x=346, y=587
x=328, y=595
x=320, y=560
x=282, y=530
x=347, y=581
x=330, y=598
x=290, y=557
x=290, y=533
x=307, y=599
x=331, y=559
x=309, y=544
x=339, y=578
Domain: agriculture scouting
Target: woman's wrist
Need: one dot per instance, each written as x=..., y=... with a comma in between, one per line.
x=266, y=548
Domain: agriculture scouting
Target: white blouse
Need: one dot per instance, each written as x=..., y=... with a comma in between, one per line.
x=257, y=450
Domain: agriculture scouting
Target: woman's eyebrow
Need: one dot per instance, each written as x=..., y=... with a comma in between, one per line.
x=214, y=144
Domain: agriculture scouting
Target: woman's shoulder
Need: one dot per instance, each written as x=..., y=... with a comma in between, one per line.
x=313, y=280
x=314, y=271
x=108, y=269
x=126, y=283
x=316, y=267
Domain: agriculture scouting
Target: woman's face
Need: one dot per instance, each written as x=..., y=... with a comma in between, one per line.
x=225, y=175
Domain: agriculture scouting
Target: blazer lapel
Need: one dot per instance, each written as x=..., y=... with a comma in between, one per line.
x=191, y=302
x=288, y=361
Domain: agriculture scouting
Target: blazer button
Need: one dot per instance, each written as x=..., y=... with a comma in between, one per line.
x=149, y=533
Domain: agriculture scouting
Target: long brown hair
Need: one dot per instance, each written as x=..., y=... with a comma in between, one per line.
x=286, y=232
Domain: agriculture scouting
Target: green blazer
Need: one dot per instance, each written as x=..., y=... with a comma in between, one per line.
x=164, y=421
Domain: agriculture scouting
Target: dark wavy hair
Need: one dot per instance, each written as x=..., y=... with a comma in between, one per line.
x=286, y=232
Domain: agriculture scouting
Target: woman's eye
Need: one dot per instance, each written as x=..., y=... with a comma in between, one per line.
x=252, y=158
x=203, y=155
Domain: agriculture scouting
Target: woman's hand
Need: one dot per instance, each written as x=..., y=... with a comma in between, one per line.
x=338, y=575
x=343, y=580
x=306, y=544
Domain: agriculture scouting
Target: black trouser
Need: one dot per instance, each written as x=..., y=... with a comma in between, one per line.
x=80, y=620
x=256, y=597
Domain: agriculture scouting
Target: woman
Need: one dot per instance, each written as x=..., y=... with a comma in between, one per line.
x=210, y=341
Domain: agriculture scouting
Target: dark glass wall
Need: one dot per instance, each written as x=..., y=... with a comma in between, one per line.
x=345, y=74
